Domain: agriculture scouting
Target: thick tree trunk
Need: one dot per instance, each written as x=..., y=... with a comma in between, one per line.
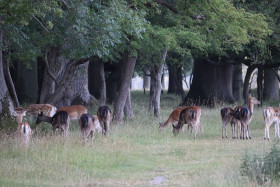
x=211, y=84
x=112, y=81
x=271, y=86
x=246, y=83
x=103, y=95
x=56, y=66
x=237, y=83
x=127, y=72
x=6, y=104
x=156, y=86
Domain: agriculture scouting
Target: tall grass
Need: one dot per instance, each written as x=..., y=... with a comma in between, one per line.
x=135, y=153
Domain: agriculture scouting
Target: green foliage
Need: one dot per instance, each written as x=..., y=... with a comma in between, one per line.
x=263, y=169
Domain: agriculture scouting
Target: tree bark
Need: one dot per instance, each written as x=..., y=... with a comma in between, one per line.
x=128, y=110
x=103, y=95
x=212, y=83
x=146, y=80
x=9, y=81
x=237, y=83
x=156, y=86
x=127, y=72
x=260, y=85
x=246, y=83
x=6, y=104
x=271, y=86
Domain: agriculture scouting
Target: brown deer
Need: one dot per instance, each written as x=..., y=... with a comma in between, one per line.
x=24, y=130
x=245, y=117
x=173, y=118
x=227, y=117
x=271, y=115
x=191, y=116
x=74, y=111
x=60, y=121
x=105, y=116
x=88, y=125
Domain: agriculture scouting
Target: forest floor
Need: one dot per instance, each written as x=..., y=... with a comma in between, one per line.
x=134, y=154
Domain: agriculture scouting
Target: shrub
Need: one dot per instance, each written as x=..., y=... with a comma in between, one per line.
x=263, y=169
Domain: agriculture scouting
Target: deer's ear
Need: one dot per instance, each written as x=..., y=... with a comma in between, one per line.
x=173, y=125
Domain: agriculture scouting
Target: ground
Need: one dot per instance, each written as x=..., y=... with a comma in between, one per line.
x=134, y=154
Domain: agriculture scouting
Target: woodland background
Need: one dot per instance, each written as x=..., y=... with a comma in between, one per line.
x=65, y=52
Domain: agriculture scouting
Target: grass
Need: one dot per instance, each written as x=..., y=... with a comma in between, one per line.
x=135, y=153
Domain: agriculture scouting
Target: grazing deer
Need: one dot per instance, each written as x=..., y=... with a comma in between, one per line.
x=227, y=117
x=271, y=116
x=35, y=109
x=173, y=118
x=245, y=117
x=105, y=116
x=191, y=116
x=74, y=111
x=60, y=121
x=88, y=125
x=24, y=129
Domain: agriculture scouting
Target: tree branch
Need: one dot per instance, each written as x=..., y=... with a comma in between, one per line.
x=48, y=68
x=44, y=27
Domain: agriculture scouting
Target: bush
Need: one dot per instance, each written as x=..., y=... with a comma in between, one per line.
x=263, y=169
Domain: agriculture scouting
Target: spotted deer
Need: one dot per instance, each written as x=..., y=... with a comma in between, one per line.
x=191, y=116
x=245, y=117
x=271, y=115
x=35, y=109
x=60, y=121
x=105, y=116
x=88, y=125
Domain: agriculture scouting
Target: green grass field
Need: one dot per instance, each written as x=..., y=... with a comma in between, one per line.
x=135, y=153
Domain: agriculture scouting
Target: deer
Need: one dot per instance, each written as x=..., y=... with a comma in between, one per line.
x=105, y=116
x=173, y=118
x=35, y=109
x=245, y=117
x=271, y=115
x=88, y=125
x=74, y=111
x=227, y=117
x=24, y=130
x=60, y=121
x=191, y=116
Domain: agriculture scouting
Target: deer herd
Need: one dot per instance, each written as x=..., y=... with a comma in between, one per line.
x=60, y=119
x=239, y=118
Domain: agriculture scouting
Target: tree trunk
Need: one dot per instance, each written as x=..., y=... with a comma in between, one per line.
x=172, y=85
x=9, y=81
x=127, y=72
x=156, y=86
x=56, y=65
x=211, y=83
x=6, y=104
x=237, y=82
x=103, y=96
x=146, y=80
x=112, y=80
x=271, y=86
x=128, y=110
x=260, y=85
x=246, y=83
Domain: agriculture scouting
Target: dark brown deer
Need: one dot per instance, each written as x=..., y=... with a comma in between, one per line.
x=191, y=116
x=88, y=125
x=227, y=117
x=105, y=116
x=245, y=117
x=60, y=121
